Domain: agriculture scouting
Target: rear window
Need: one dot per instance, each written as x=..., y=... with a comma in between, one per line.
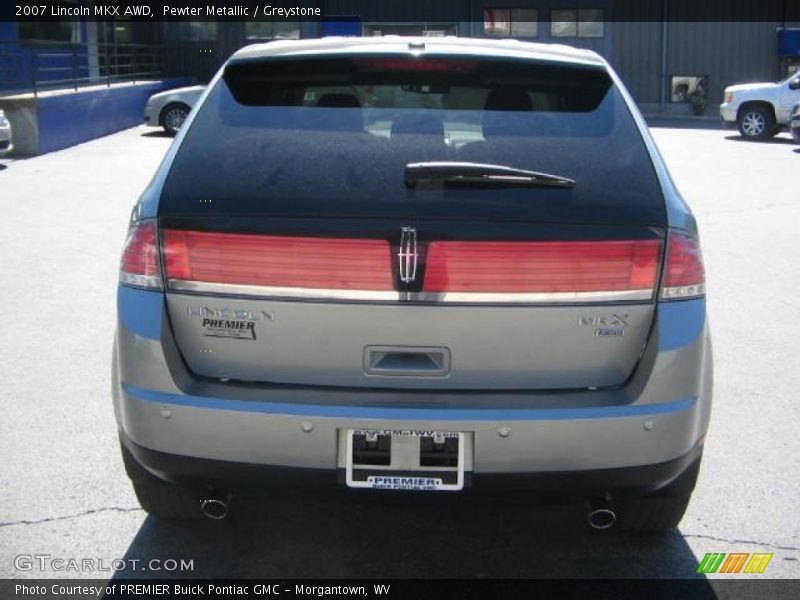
x=333, y=137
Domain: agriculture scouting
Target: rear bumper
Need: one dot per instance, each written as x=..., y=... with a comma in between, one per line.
x=794, y=129
x=659, y=416
x=679, y=474
x=727, y=113
x=312, y=435
x=5, y=140
x=151, y=116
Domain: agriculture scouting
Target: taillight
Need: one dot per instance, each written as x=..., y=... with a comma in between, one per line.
x=416, y=65
x=594, y=270
x=728, y=97
x=195, y=258
x=140, y=266
x=684, y=275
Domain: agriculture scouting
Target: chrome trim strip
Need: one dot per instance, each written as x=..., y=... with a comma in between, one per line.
x=232, y=289
x=535, y=297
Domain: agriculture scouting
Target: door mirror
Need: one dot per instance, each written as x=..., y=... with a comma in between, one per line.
x=794, y=84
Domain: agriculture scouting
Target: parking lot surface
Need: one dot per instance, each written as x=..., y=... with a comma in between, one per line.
x=63, y=491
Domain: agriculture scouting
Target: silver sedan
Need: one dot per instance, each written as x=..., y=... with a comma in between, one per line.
x=6, y=144
x=169, y=109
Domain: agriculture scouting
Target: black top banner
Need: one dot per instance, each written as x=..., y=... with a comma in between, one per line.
x=781, y=12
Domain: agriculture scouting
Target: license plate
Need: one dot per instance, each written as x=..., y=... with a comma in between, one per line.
x=419, y=460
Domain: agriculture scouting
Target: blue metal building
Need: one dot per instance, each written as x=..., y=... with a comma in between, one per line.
x=661, y=55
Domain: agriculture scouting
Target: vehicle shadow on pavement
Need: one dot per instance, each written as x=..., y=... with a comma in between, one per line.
x=682, y=122
x=774, y=140
x=406, y=537
x=157, y=134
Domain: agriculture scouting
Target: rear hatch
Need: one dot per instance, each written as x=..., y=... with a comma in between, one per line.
x=424, y=222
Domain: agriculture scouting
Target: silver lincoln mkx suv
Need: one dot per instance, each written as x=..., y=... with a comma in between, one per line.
x=414, y=265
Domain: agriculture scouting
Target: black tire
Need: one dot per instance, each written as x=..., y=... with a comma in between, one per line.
x=662, y=510
x=159, y=498
x=756, y=123
x=652, y=514
x=795, y=131
x=168, y=501
x=172, y=117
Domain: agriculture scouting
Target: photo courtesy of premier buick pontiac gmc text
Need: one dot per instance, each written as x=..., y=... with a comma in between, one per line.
x=414, y=266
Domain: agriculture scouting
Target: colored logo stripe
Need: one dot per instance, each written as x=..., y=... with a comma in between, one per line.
x=713, y=562
x=734, y=562
x=758, y=563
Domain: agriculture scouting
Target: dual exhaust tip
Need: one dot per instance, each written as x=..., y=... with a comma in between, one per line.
x=215, y=509
x=600, y=516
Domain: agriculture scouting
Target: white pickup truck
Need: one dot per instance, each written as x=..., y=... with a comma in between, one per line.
x=760, y=110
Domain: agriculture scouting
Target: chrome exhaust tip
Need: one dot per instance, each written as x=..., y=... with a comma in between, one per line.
x=601, y=516
x=214, y=508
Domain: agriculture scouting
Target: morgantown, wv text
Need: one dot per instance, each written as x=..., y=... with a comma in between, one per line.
x=199, y=590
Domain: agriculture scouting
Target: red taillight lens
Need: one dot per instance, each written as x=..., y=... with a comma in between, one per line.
x=140, y=266
x=417, y=65
x=544, y=267
x=684, y=275
x=277, y=261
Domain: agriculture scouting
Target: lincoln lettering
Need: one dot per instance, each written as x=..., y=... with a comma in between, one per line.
x=68, y=11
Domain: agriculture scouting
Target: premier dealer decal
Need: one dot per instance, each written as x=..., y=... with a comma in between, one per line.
x=240, y=330
x=229, y=323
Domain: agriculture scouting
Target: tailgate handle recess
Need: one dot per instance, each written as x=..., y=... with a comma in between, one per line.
x=406, y=361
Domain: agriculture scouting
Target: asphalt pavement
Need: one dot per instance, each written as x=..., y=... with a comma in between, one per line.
x=63, y=492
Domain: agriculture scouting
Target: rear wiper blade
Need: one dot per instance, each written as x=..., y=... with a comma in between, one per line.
x=437, y=173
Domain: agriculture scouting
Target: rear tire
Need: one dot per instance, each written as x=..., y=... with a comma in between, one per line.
x=172, y=117
x=662, y=510
x=158, y=498
x=168, y=501
x=756, y=123
x=653, y=514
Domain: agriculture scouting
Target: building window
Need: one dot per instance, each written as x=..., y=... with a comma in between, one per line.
x=583, y=23
x=122, y=31
x=688, y=88
x=590, y=23
x=196, y=31
x=511, y=22
x=272, y=30
x=47, y=31
x=439, y=29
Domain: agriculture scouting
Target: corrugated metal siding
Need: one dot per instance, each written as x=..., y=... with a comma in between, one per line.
x=637, y=58
x=729, y=53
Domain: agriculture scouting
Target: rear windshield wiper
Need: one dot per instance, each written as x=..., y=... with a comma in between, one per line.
x=438, y=173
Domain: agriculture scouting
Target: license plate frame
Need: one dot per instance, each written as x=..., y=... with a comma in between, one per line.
x=402, y=474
